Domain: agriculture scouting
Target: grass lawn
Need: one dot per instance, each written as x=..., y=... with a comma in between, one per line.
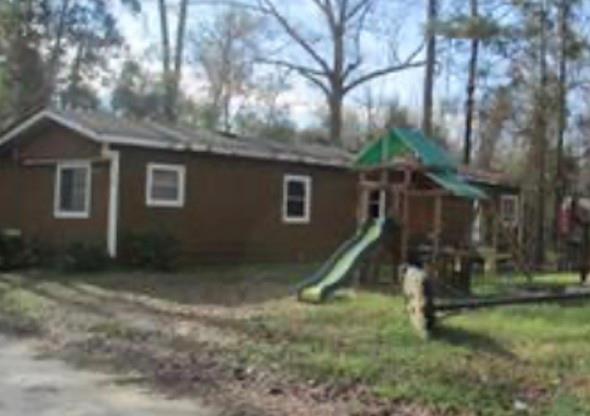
x=511, y=360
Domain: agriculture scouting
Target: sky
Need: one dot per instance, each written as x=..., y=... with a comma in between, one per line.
x=407, y=23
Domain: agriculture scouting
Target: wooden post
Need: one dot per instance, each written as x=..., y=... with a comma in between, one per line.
x=394, y=210
x=438, y=202
x=492, y=266
x=384, y=187
x=520, y=223
x=362, y=216
x=361, y=213
x=404, y=226
x=584, y=253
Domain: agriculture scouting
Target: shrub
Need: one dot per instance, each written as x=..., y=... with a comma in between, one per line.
x=12, y=250
x=16, y=252
x=41, y=254
x=151, y=250
x=85, y=257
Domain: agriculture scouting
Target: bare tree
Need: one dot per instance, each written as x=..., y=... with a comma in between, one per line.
x=226, y=50
x=338, y=69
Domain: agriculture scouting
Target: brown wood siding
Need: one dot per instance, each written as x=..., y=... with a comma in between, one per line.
x=37, y=205
x=9, y=190
x=52, y=141
x=233, y=208
x=457, y=216
x=27, y=191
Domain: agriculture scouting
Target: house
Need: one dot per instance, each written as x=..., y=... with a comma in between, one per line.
x=71, y=176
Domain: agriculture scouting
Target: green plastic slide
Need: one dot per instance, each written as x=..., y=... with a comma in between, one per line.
x=338, y=269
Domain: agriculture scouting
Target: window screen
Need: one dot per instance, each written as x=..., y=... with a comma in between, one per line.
x=165, y=185
x=73, y=188
x=296, y=198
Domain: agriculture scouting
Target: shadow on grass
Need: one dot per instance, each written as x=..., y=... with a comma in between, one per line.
x=124, y=305
x=37, y=289
x=476, y=341
x=212, y=285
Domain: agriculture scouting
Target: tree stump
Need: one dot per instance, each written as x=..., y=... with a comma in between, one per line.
x=417, y=289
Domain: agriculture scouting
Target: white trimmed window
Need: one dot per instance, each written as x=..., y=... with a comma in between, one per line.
x=296, y=199
x=509, y=209
x=73, y=183
x=165, y=185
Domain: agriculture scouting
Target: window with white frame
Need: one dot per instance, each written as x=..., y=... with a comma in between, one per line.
x=509, y=209
x=72, y=190
x=296, y=198
x=165, y=185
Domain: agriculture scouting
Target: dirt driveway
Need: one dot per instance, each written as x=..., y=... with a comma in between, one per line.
x=30, y=385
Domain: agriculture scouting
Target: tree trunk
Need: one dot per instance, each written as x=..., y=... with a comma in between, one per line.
x=337, y=95
x=178, y=58
x=335, y=104
x=166, y=74
x=471, y=85
x=541, y=139
x=429, y=70
x=560, y=183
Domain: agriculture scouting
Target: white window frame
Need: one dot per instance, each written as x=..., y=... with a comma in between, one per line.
x=57, y=211
x=515, y=201
x=180, y=170
x=307, y=184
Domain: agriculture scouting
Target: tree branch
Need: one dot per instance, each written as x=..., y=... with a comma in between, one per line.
x=352, y=66
x=381, y=72
x=364, y=4
x=328, y=9
x=229, y=3
x=407, y=64
x=317, y=82
x=310, y=73
x=296, y=36
x=290, y=65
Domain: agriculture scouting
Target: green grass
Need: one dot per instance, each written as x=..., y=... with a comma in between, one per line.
x=505, y=284
x=478, y=363
x=481, y=362
x=20, y=309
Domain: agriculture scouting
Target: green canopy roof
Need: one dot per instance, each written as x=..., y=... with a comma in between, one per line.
x=400, y=142
x=457, y=185
x=441, y=167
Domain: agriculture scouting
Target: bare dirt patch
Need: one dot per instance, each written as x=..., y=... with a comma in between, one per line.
x=177, y=334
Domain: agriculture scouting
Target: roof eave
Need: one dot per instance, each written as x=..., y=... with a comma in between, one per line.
x=97, y=137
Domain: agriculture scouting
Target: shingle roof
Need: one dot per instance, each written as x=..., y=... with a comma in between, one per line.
x=490, y=178
x=108, y=128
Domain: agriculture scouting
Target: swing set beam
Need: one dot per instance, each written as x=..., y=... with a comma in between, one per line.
x=506, y=301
